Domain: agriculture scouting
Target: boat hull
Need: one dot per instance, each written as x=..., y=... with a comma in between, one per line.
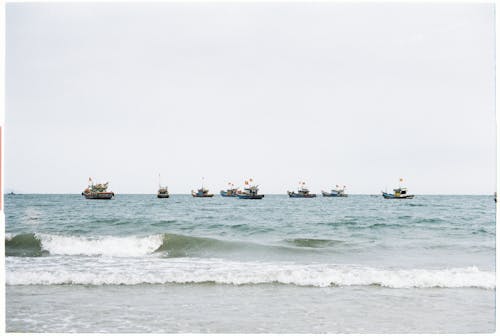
x=228, y=194
x=250, y=196
x=99, y=195
x=392, y=196
x=294, y=195
x=326, y=194
x=206, y=195
x=162, y=195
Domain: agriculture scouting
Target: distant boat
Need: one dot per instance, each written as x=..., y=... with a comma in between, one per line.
x=231, y=192
x=162, y=191
x=250, y=191
x=339, y=192
x=302, y=192
x=202, y=192
x=98, y=191
x=12, y=193
x=399, y=193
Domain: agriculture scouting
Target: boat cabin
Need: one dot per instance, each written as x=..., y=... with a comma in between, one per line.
x=400, y=192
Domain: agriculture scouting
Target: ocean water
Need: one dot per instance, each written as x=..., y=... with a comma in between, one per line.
x=358, y=264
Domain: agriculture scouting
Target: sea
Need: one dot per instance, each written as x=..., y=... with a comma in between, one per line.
x=359, y=264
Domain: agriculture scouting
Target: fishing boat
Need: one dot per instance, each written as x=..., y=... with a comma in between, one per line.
x=202, y=192
x=338, y=192
x=302, y=192
x=230, y=192
x=162, y=191
x=399, y=193
x=98, y=191
x=250, y=191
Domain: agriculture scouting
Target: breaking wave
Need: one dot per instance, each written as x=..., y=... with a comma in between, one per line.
x=33, y=245
x=22, y=245
x=135, y=271
x=171, y=245
x=93, y=261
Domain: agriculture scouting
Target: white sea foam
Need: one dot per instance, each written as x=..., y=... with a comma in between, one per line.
x=107, y=246
x=132, y=271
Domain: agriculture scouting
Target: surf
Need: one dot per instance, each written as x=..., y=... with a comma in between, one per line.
x=165, y=244
x=158, y=271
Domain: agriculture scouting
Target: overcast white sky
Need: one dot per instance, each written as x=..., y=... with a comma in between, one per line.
x=328, y=93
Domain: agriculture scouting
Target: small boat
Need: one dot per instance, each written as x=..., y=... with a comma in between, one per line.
x=202, y=192
x=399, y=193
x=98, y=191
x=162, y=191
x=250, y=191
x=231, y=192
x=303, y=192
x=339, y=192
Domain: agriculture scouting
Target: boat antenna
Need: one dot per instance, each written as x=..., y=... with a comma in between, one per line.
x=159, y=181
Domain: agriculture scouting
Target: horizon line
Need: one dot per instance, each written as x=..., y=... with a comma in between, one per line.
x=276, y=194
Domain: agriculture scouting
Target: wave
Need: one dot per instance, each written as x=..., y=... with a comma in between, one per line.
x=95, y=271
x=168, y=244
x=176, y=246
x=311, y=242
x=429, y=220
x=384, y=225
x=23, y=245
x=34, y=245
x=483, y=231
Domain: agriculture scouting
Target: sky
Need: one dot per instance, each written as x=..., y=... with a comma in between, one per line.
x=356, y=94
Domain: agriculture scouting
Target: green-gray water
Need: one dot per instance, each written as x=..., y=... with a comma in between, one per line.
x=355, y=264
